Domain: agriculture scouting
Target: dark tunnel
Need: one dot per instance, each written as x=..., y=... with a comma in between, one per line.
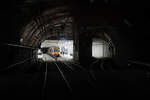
x=74, y=49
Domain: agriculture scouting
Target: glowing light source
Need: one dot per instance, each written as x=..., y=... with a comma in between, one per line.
x=39, y=51
x=39, y=54
x=21, y=40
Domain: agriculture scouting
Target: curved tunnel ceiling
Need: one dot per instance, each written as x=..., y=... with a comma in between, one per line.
x=50, y=24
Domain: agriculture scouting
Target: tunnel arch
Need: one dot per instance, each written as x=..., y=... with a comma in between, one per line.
x=51, y=22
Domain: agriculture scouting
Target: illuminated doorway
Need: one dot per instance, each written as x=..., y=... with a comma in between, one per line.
x=100, y=48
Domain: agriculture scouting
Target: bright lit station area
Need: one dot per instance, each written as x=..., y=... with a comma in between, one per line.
x=56, y=50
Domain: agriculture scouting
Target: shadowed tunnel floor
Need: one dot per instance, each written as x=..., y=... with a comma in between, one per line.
x=28, y=83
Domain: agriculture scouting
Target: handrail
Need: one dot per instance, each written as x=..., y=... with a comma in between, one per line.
x=140, y=63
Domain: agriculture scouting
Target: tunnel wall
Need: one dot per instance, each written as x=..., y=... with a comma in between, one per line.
x=75, y=42
x=136, y=42
x=127, y=41
x=85, y=48
x=11, y=55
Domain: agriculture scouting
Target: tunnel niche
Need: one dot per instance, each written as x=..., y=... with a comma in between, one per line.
x=56, y=50
x=100, y=48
